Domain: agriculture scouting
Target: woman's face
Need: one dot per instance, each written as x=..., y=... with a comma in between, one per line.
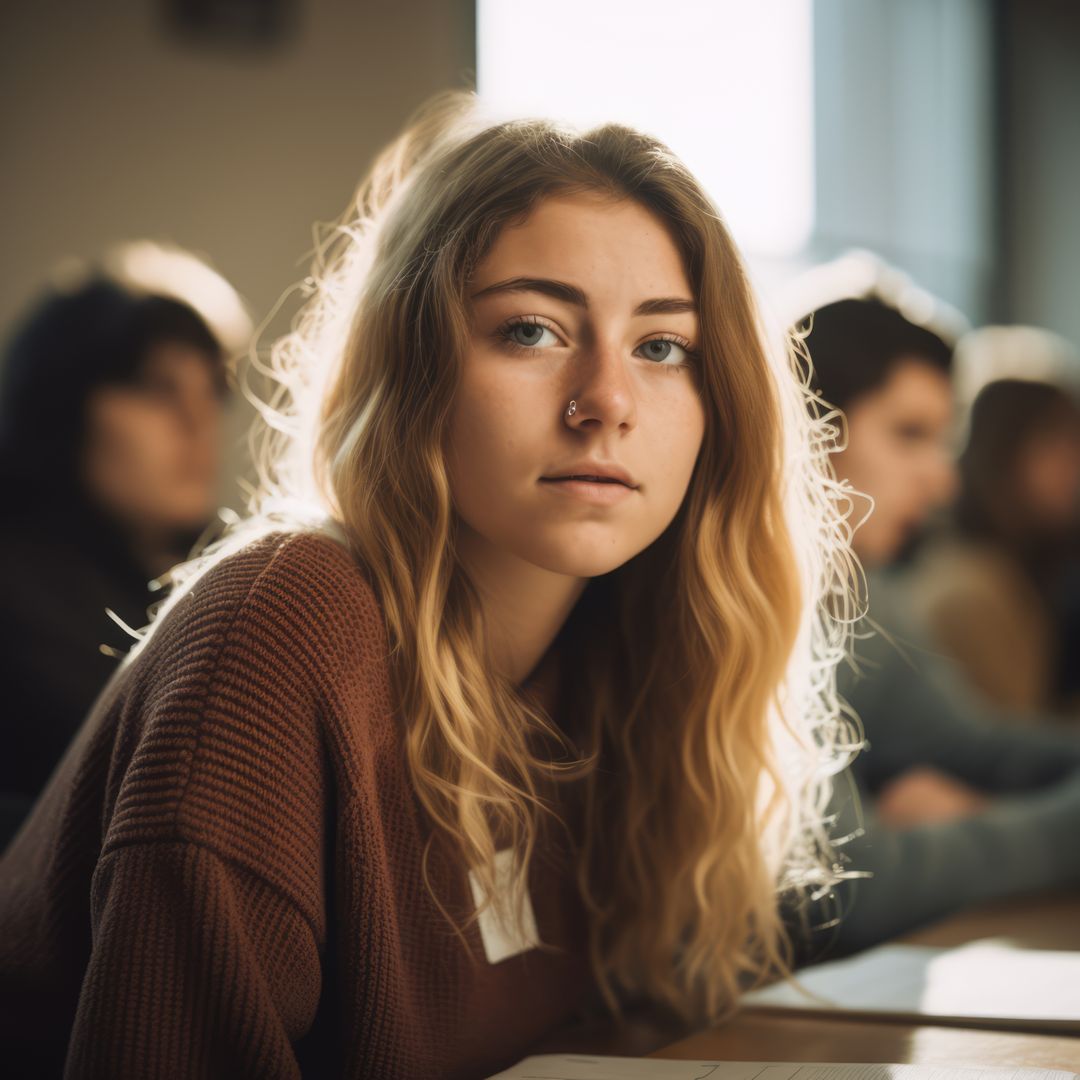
x=898, y=453
x=1047, y=474
x=152, y=450
x=586, y=301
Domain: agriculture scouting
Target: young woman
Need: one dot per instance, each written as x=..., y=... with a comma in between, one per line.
x=111, y=414
x=515, y=687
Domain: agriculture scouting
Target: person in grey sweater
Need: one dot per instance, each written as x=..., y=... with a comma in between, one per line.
x=950, y=803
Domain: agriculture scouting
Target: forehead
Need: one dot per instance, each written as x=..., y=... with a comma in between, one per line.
x=916, y=385
x=181, y=364
x=606, y=245
x=175, y=356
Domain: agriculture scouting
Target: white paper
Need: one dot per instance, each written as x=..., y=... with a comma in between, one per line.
x=594, y=1067
x=982, y=980
x=499, y=931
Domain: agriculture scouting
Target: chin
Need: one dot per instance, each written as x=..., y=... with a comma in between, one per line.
x=580, y=560
x=184, y=518
x=883, y=550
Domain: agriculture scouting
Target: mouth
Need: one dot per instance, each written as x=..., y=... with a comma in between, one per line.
x=591, y=488
x=586, y=478
x=592, y=471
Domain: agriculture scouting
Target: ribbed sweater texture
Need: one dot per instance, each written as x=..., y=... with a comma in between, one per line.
x=223, y=877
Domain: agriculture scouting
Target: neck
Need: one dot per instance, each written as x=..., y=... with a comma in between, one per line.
x=524, y=605
x=151, y=548
x=154, y=550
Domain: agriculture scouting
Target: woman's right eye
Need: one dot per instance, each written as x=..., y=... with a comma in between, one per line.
x=529, y=335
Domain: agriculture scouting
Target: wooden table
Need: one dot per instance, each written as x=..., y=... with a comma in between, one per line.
x=755, y=1037
x=1049, y=921
x=1052, y=921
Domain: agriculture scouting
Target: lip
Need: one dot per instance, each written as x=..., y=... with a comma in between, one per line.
x=599, y=482
x=602, y=492
x=584, y=471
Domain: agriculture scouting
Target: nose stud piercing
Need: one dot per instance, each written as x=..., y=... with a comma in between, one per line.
x=572, y=408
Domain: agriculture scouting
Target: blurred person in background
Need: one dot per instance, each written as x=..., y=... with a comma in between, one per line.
x=989, y=591
x=950, y=803
x=110, y=437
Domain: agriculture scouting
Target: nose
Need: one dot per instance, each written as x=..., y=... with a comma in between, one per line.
x=602, y=390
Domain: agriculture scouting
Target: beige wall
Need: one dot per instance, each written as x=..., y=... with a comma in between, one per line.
x=112, y=129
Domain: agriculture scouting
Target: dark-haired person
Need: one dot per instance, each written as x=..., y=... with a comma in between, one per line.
x=892, y=380
x=951, y=803
x=110, y=427
x=987, y=591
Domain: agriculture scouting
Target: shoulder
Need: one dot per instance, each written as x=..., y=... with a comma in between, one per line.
x=298, y=599
x=966, y=588
x=963, y=571
x=45, y=572
x=222, y=736
x=305, y=573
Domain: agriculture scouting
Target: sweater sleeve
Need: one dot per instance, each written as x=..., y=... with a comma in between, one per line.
x=1023, y=843
x=208, y=902
x=211, y=973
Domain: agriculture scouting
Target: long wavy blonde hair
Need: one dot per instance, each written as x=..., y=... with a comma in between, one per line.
x=705, y=672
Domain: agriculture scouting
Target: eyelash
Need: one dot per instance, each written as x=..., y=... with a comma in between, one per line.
x=507, y=328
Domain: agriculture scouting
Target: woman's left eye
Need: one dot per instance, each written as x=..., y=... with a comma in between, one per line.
x=665, y=351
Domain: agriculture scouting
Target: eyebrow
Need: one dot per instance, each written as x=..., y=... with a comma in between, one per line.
x=571, y=294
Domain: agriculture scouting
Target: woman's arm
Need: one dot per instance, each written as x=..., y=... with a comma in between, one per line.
x=200, y=968
x=208, y=903
x=1018, y=844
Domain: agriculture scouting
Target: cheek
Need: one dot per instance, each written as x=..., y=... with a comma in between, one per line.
x=1049, y=477
x=677, y=442
x=874, y=462
x=492, y=428
x=133, y=438
x=871, y=468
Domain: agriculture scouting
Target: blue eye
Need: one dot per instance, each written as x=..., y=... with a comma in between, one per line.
x=660, y=350
x=529, y=335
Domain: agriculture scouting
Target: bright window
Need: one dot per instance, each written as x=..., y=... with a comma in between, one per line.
x=727, y=84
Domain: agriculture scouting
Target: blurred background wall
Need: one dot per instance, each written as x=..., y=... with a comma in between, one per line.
x=945, y=133
x=227, y=128
x=947, y=139
x=119, y=124
x=1039, y=80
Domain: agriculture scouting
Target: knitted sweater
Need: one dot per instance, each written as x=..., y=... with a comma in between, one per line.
x=223, y=876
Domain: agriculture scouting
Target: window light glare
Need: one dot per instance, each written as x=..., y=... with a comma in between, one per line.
x=727, y=85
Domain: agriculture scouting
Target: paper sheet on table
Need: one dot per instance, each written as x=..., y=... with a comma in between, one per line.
x=593, y=1067
x=983, y=981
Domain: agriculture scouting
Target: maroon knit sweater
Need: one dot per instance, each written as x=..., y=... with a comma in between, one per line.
x=222, y=878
